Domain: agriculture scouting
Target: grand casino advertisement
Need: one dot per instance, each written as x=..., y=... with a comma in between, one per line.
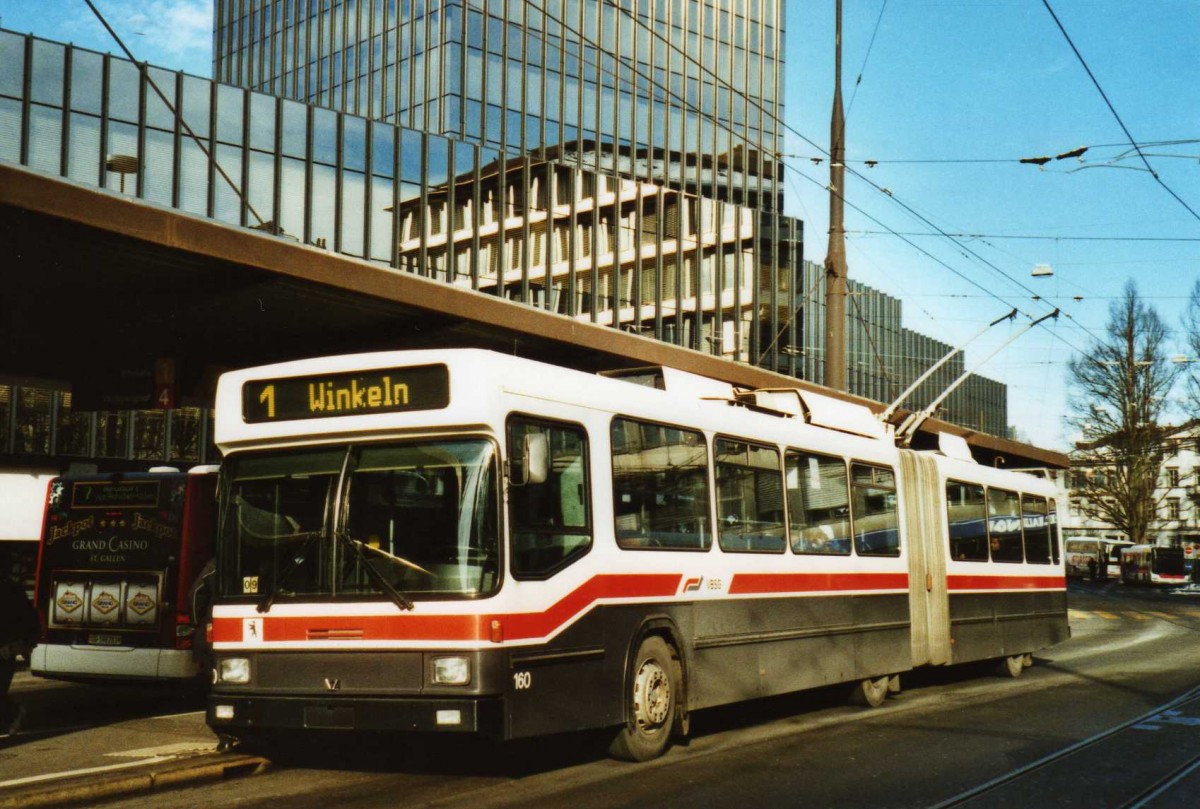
x=107, y=548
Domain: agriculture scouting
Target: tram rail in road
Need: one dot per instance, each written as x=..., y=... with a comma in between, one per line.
x=1131, y=765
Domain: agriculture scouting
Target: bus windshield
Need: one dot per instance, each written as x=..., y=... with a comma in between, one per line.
x=414, y=519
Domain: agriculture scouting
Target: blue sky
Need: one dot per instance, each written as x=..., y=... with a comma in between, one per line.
x=979, y=84
x=170, y=33
x=997, y=81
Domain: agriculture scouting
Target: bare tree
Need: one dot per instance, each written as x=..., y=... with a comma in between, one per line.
x=1191, y=333
x=1120, y=390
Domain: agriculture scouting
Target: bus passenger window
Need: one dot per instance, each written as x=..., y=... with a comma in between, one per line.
x=660, y=486
x=549, y=520
x=1004, y=525
x=967, y=521
x=749, y=497
x=875, y=520
x=818, y=503
x=1037, y=530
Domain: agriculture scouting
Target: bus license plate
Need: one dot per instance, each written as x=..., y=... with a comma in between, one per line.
x=104, y=640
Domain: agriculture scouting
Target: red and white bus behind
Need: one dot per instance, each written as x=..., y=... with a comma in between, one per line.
x=1152, y=564
x=462, y=541
x=118, y=556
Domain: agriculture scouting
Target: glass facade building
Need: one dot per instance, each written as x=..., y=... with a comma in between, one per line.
x=634, y=77
x=611, y=161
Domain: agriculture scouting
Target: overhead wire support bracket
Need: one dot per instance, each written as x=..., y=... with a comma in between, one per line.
x=908, y=429
x=891, y=409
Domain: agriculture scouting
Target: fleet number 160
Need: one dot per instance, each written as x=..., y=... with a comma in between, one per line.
x=522, y=680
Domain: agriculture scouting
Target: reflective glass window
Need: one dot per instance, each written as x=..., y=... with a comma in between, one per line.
x=1035, y=521
x=966, y=518
x=549, y=510
x=818, y=503
x=874, y=510
x=660, y=486
x=1004, y=525
x=749, y=497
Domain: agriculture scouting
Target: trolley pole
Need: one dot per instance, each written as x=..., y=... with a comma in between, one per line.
x=835, y=259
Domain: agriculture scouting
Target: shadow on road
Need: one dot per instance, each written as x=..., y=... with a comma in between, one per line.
x=54, y=708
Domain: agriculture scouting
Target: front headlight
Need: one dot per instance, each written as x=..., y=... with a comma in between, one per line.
x=235, y=670
x=451, y=671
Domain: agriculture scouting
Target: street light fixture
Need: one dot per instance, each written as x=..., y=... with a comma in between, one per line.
x=1042, y=271
x=123, y=164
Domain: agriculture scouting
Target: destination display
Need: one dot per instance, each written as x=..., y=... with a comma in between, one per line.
x=115, y=494
x=387, y=390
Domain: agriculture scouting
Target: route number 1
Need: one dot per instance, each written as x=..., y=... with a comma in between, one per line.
x=267, y=397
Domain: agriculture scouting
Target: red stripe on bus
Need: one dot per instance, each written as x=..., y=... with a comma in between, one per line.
x=745, y=583
x=515, y=626
x=1006, y=582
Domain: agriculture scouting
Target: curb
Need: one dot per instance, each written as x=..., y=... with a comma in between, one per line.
x=161, y=776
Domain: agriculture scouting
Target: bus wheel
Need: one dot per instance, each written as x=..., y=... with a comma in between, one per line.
x=870, y=693
x=1010, y=666
x=651, y=704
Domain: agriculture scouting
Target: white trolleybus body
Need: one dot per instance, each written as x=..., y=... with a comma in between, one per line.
x=465, y=541
x=118, y=556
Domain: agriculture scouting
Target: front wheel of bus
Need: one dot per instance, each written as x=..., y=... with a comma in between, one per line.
x=651, y=703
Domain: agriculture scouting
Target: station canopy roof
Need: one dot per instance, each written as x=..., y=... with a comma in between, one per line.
x=103, y=283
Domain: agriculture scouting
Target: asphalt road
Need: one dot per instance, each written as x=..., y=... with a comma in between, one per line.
x=1133, y=650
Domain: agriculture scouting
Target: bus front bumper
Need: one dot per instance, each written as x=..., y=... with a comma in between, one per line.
x=245, y=715
x=66, y=662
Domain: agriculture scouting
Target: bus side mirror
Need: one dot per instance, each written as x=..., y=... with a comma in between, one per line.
x=534, y=464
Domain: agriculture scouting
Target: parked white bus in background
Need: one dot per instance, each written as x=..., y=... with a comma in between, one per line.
x=1097, y=558
x=458, y=541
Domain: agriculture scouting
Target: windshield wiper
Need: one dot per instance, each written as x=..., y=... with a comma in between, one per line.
x=268, y=599
x=393, y=557
x=398, y=598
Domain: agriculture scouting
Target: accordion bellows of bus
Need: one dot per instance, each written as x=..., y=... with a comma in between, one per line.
x=459, y=541
x=118, y=556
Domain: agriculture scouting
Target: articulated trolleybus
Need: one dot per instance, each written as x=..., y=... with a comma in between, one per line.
x=118, y=556
x=461, y=541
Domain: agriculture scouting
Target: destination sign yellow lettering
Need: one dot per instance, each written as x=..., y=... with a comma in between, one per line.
x=358, y=393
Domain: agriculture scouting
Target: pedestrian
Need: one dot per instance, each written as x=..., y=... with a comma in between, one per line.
x=18, y=635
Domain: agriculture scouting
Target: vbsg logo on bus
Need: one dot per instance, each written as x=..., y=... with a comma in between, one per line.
x=387, y=390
